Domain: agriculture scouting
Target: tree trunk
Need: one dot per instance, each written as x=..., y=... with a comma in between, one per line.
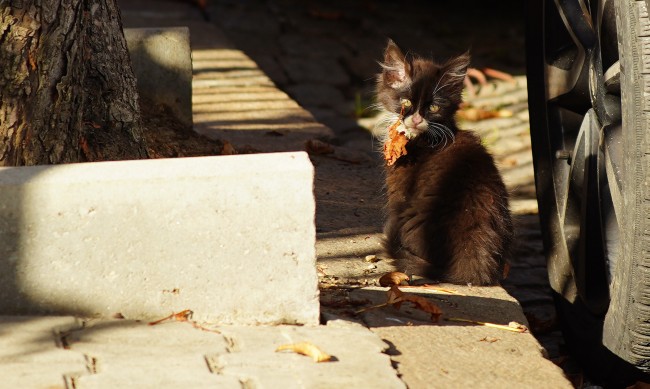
x=68, y=93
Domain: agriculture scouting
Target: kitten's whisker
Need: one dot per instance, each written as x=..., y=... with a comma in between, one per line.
x=441, y=88
x=385, y=120
x=438, y=133
x=435, y=89
x=453, y=76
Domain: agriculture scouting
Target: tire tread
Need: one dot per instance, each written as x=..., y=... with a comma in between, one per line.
x=626, y=329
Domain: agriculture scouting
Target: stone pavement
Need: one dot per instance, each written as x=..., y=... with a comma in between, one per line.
x=67, y=352
x=324, y=55
x=237, y=102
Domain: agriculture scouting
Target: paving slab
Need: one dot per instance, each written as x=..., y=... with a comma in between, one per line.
x=147, y=238
x=171, y=354
x=443, y=357
x=359, y=361
x=127, y=353
x=156, y=378
x=450, y=354
x=32, y=355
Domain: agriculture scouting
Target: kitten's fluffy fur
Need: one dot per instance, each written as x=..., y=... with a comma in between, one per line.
x=447, y=212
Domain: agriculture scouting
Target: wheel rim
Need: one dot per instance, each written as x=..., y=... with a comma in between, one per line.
x=583, y=103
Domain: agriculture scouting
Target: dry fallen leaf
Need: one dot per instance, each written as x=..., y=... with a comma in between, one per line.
x=395, y=147
x=318, y=147
x=396, y=297
x=372, y=258
x=228, y=149
x=477, y=114
x=424, y=305
x=509, y=162
x=489, y=339
x=393, y=278
x=308, y=349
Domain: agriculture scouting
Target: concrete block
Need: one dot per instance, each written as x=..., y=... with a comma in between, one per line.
x=231, y=238
x=162, y=63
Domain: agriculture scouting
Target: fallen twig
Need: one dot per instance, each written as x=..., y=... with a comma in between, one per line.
x=179, y=316
x=185, y=316
x=513, y=326
x=433, y=288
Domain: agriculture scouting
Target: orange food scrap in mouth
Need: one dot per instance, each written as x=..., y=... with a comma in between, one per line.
x=395, y=147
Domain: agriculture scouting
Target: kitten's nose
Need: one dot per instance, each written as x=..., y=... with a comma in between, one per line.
x=416, y=118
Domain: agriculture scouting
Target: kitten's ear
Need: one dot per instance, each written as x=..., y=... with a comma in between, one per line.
x=454, y=72
x=396, y=68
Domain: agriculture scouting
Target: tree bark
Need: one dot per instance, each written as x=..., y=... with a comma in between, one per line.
x=68, y=93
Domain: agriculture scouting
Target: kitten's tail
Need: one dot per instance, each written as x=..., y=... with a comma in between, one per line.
x=476, y=266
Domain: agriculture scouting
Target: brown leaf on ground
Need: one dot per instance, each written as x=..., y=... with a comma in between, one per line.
x=308, y=349
x=318, y=147
x=372, y=258
x=477, y=114
x=424, y=305
x=509, y=162
x=489, y=339
x=394, y=278
x=396, y=297
x=228, y=149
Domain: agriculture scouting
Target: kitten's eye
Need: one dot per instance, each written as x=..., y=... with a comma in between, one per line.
x=405, y=102
x=434, y=108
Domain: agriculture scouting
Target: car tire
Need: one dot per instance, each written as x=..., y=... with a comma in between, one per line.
x=590, y=133
x=627, y=324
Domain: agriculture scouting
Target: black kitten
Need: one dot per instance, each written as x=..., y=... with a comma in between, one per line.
x=448, y=214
